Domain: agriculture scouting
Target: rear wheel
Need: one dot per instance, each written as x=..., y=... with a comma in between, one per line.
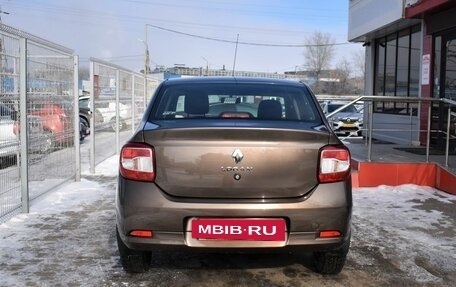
x=331, y=261
x=113, y=124
x=85, y=122
x=133, y=261
x=48, y=143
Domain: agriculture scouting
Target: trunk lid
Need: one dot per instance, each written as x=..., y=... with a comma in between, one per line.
x=236, y=163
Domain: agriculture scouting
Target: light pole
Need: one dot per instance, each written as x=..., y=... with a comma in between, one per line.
x=146, y=68
x=207, y=65
x=146, y=63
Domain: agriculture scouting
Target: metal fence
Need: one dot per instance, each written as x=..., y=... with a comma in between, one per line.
x=37, y=139
x=118, y=98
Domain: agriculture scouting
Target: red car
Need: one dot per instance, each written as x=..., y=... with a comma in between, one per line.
x=57, y=118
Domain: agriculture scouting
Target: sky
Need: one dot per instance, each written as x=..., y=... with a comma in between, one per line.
x=115, y=30
x=34, y=248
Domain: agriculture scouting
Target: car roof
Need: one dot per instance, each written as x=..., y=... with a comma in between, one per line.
x=232, y=80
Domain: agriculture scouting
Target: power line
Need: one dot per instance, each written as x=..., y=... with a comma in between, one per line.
x=246, y=43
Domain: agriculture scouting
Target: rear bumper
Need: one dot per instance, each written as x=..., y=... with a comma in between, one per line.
x=340, y=127
x=145, y=207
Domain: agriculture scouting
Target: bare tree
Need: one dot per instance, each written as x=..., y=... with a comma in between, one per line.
x=343, y=72
x=359, y=61
x=319, y=52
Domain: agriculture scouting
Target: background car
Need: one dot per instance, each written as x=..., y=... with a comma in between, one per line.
x=85, y=114
x=105, y=113
x=231, y=164
x=8, y=140
x=38, y=140
x=347, y=122
x=57, y=118
x=108, y=115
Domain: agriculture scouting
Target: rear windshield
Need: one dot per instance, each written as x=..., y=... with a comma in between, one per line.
x=238, y=101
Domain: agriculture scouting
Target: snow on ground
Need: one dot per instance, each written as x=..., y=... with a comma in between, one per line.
x=67, y=239
x=412, y=225
x=53, y=244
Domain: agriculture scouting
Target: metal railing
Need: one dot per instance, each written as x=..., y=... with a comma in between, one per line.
x=369, y=100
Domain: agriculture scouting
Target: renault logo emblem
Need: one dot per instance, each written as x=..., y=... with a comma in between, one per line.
x=237, y=155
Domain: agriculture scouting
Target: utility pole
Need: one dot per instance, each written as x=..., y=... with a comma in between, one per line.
x=207, y=66
x=146, y=64
x=235, y=54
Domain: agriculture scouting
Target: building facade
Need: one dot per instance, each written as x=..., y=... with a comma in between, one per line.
x=410, y=52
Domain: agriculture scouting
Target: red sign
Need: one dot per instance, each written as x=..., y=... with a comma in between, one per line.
x=239, y=229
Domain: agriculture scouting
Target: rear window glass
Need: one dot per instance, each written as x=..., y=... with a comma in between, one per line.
x=238, y=101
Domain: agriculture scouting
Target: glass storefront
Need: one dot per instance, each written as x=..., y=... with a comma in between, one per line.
x=444, y=84
x=397, y=69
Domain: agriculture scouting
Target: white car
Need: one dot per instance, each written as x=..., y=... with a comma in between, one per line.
x=105, y=112
x=108, y=114
x=347, y=122
x=8, y=139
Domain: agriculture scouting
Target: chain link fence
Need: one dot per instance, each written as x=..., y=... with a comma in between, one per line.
x=37, y=133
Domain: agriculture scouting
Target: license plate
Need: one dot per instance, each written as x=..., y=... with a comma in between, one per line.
x=255, y=229
x=349, y=125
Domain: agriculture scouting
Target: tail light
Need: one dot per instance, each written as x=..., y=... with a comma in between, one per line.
x=334, y=164
x=329, y=234
x=137, y=162
x=142, y=233
x=16, y=128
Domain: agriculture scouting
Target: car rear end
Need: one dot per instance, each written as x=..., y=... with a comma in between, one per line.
x=233, y=164
x=9, y=143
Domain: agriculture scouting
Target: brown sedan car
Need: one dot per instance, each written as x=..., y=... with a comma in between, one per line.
x=234, y=164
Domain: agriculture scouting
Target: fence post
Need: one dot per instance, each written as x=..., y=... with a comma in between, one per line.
x=117, y=111
x=133, y=106
x=92, y=118
x=447, y=148
x=369, y=131
x=77, y=144
x=23, y=125
x=428, y=137
x=145, y=91
x=411, y=124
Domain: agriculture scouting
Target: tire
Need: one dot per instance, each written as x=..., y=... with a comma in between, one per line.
x=48, y=143
x=133, y=261
x=113, y=124
x=85, y=122
x=331, y=261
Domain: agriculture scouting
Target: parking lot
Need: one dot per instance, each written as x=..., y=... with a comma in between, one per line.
x=402, y=236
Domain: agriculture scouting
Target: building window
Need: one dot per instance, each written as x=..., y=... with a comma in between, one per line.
x=397, y=67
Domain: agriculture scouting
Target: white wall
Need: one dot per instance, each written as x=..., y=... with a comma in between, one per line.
x=366, y=16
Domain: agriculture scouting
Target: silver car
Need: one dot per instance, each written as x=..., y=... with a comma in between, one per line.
x=349, y=121
x=234, y=164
